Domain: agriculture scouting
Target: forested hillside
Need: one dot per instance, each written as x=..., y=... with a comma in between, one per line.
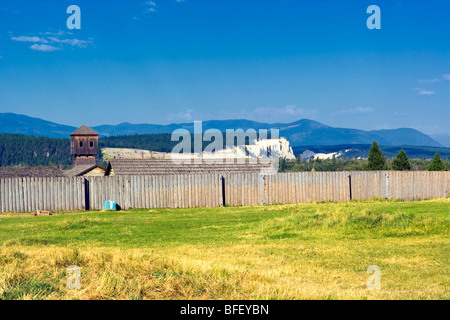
x=22, y=150
x=155, y=142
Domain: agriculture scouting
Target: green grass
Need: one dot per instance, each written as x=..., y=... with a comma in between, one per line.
x=311, y=251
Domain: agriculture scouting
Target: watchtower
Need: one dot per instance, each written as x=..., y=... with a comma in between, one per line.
x=84, y=146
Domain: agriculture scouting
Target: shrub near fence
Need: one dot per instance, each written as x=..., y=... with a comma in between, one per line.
x=215, y=190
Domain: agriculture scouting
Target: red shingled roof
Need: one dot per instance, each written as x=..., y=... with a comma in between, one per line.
x=84, y=131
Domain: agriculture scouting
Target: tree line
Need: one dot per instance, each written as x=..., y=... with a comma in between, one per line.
x=30, y=151
x=375, y=161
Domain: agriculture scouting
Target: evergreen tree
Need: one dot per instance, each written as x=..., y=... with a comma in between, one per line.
x=376, y=158
x=401, y=162
x=437, y=164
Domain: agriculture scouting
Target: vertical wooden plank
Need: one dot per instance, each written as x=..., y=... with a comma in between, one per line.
x=227, y=190
x=292, y=195
x=73, y=194
x=6, y=199
x=202, y=191
x=137, y=191
x=97, y=190
x=56, y=193
x=3, y=199
x=286, y=187
x=14, y=193
x=182, y=190
x=2, y=196
x=176, y=190
x=141, y=192
x=189, y=191
x=301, y=186
x=163, y=186
x=173, y=192
x=194, y=191
x=153, y=186
x=60, y=194
x=92, y=193
x=270, y=187
x=50, y=195
x=77, y=194
x=146, y=191
x=27, y=194
x=66, y=193
x=10, y=195
x=207, y=190
x=156, y=195
x=18, y=198
x=162, y=191
x=21, y=203
x=40, y=190
x=186, y=191
x=250, y=189
x=236, y=184
x=7, y=195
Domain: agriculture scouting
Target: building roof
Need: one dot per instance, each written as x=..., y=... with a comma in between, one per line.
x=84, y=131
x=167, y=166
x=35, y=172
x=80, y=170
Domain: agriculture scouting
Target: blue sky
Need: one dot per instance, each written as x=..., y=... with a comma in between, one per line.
x=165, y=61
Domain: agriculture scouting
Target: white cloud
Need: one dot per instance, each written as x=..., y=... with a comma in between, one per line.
x=428, y=81
x=29, y=39
x=357, y=110
x=445, y=77
x=43, y=48
x=50, y=40
x=181, y=116
x=150, y=6
x=72, y=42
x=59, y=33
x=424, y=92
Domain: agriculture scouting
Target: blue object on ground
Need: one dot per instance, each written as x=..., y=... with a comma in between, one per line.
x=109, y=205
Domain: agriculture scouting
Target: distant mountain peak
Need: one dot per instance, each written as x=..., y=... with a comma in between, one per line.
x=299, y=133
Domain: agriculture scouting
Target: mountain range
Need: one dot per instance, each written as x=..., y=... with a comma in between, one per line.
x=299, y=133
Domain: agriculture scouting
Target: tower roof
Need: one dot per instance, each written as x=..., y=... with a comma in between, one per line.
x=84, y=131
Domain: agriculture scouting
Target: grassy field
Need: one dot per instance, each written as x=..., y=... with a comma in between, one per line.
x=305, y=251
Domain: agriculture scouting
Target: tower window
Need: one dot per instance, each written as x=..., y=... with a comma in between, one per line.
x=81, y=144
x=91, y=144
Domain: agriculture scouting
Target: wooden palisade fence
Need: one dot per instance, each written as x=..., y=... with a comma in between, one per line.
x=215, y=190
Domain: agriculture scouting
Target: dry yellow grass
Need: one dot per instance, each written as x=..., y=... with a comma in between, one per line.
x=277, y=259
